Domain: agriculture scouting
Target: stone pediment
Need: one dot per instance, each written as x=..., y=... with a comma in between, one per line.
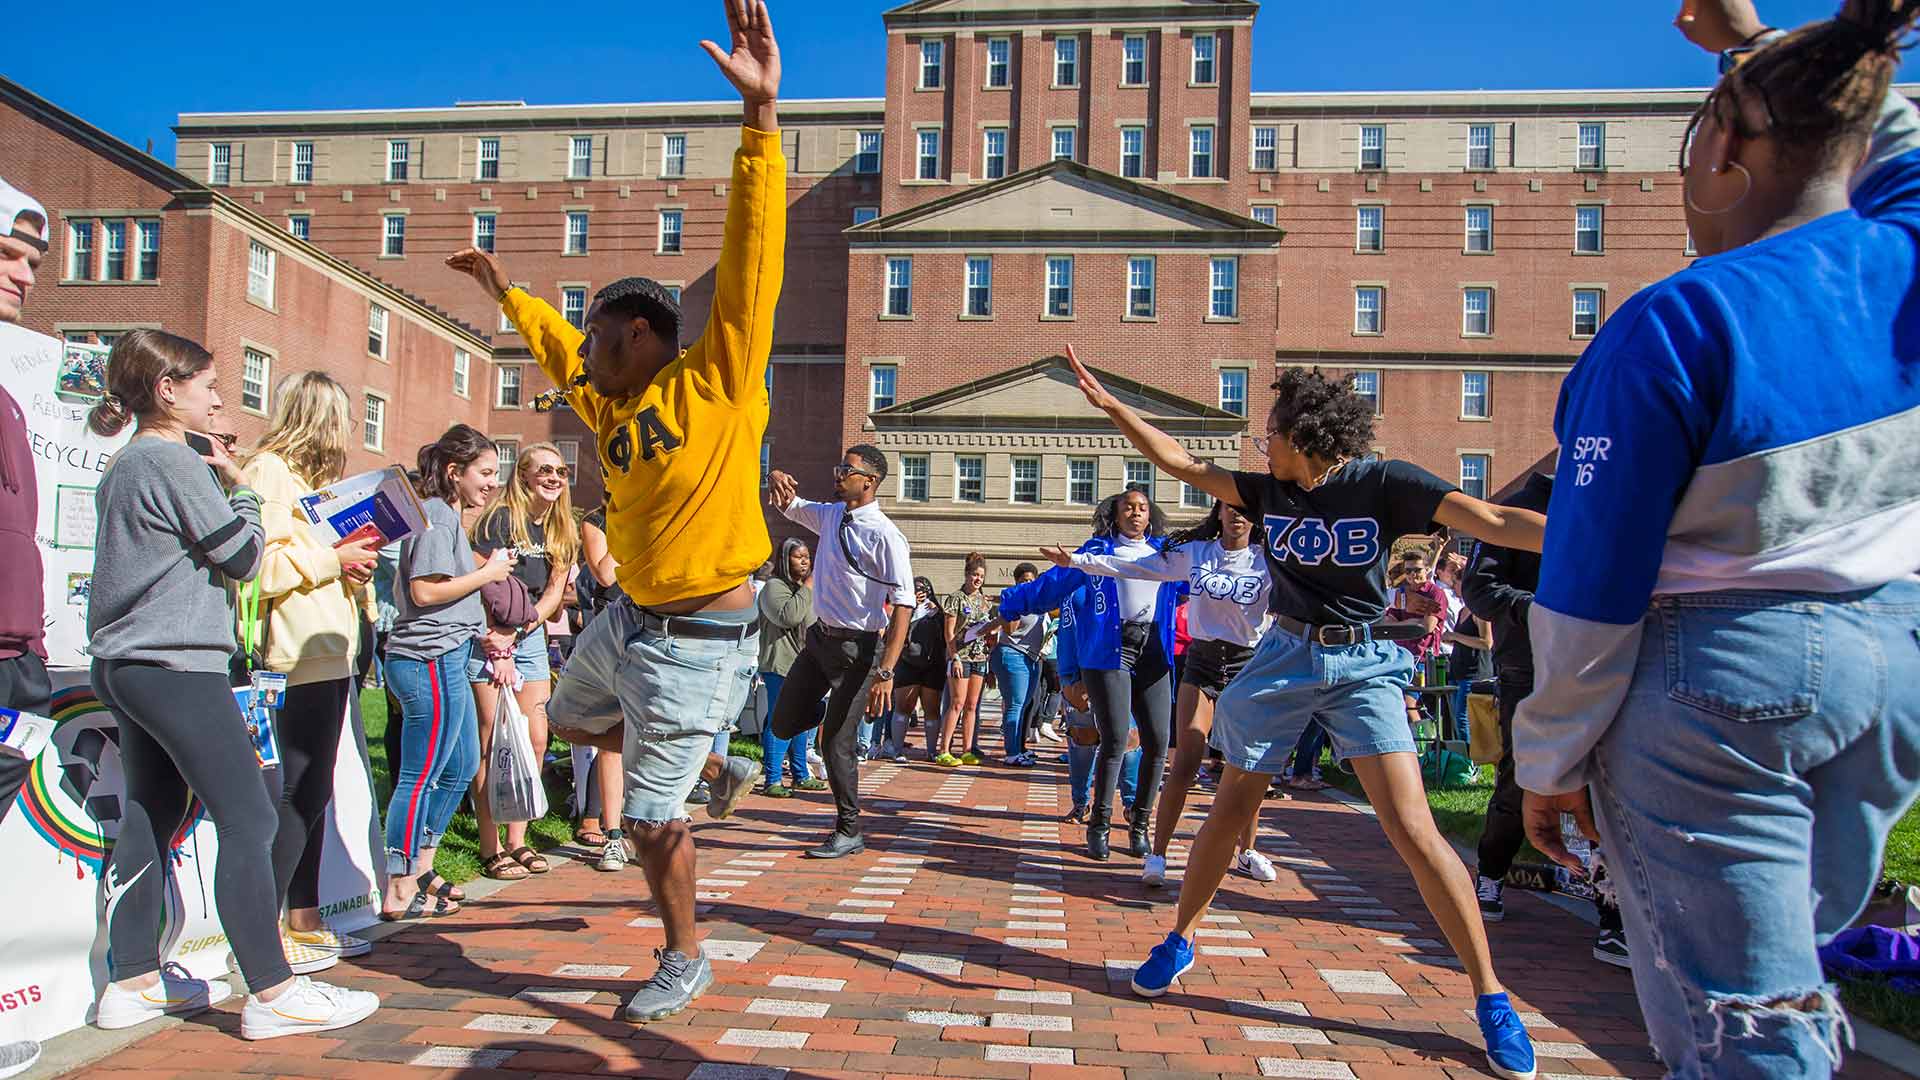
x=1044, y=395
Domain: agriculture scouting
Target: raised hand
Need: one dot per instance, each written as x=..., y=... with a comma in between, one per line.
x=753, y=65
x=483, y=268
x=1057, y=556
x=1718, y=24
x=1097, y=395
x=782, y=489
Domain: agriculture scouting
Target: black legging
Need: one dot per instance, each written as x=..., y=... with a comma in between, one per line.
x=308, y=726
x=1141, y=688
x=181, y=735
x=838, y=669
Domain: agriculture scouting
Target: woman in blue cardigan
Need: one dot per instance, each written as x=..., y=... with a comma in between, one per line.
x=1123, y=643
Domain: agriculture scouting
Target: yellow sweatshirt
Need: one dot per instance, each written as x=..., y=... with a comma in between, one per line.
x=313, y=622
x=682, y=459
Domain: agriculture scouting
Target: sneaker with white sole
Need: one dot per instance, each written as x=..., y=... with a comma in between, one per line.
x=1492, y=894
x=346, y=946
x=1153, y=871
x=737, y=777
x=305, y=959
x=18, y=1057
x=177, y=993
x=1255, y=865
x=613, y=854
x=304, y=1008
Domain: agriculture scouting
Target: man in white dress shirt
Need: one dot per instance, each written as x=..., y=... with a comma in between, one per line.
x=860, y=567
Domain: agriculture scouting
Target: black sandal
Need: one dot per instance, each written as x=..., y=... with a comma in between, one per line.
x=446, y=890
x=502, y=866
x=417, y=909
x=529, y=858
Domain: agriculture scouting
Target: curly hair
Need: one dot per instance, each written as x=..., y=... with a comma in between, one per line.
x=1106, y=516
x=1322, y=418
x=1208, y=528
x=643, y=298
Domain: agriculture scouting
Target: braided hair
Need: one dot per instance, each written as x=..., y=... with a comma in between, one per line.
x=1106, y=516
x=1209, y=528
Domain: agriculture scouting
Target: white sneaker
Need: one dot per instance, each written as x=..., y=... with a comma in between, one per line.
x=305, y=959
x=1154, y=871
x=18, y=1057
x=815, y=763
x=305, y=1007
x=1255, y=865
x=176, y=994
x=346, y=945
x=613, y=854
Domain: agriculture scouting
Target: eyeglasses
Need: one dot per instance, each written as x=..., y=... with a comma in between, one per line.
x=841, y=472
x=1261, y=442
x=545, y=471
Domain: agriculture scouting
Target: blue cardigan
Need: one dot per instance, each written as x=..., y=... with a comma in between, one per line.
x=1090, y=610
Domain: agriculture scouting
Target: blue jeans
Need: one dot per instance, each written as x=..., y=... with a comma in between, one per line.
x=1306, y=752
x=1080, y=773
x=773, y=749
x=439, y=752
x=1015, y=671
x=1767, y=743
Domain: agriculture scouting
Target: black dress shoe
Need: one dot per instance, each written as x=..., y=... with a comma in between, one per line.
x=838, y=845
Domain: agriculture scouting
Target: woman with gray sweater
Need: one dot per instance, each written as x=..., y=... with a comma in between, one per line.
x=175, y=528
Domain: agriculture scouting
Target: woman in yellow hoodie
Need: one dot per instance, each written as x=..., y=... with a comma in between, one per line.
x=307, y=592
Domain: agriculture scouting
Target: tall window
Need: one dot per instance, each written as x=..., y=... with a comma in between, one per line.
x=573, y=305
x=1373, y=146
x=1366, y=309
x=1476, y=312
x=1593, y=146
x=506, y=393
x=1133, y=143
x=866, y=158
x=1133, y=60
x=301, y=226
x=1233, y=390
x=928, y=160
x=377, y=330
x=913, y=477
x=1060, y=285
x=979, y=285
x=932, y=60
x=80, y=250
x=508, y=451
x=149, y=265
x=1266, y=155
x=397, y=154
x=303, y=163
x=489, y=160
x=1140, y=287
x=1586, y=312
x=1366, y=386
x=1066, y=61
x=881, y=390
x=1265, y=215
x=220, y=165
x=1473, y=475
x=1224, y=294
x=1480, y=146
x=260, y=272
x=114, y=266
x=255, y=371
x=999, y=67
x=673, y=155
x=1479, y=228
x=579, y=157
x=1473, y=395
x=1200, y=151
x=1082, y=484
x=1140, y=476
x=1588, y=223
x=899, y=286
x=1203, y=65
x=1026, y=481
x=373, y=422
x=1369, y=228
x=577, y=225
x=483, y=226
x=570, y=456
x=395, y=235
x=670, y=223
x=994, y=155
x=1064, y=139
x=462, y=371
x=969, y=478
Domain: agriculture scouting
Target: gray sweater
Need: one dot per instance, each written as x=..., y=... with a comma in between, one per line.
x=169, y=541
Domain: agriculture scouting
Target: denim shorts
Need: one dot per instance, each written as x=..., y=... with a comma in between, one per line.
x=673, y=692
x=969, y=669
x=1357, y=692
x=530, y=659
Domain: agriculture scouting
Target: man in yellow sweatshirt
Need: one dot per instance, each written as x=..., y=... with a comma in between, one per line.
x=678, y=434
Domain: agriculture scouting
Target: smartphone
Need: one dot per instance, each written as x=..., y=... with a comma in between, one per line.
x=200, y=443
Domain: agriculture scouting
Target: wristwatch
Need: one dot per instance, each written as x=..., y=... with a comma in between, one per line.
x=883, y=675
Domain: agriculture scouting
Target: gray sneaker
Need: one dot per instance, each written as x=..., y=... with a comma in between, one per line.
x=18, y=1057
x=673, y=987
x=613, y=854
x=737, y=777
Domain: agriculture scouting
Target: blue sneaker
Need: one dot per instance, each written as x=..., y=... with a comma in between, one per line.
x=1509, y=1050
x=1165, y=964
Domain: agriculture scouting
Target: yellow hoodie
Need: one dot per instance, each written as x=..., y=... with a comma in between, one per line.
x=313, y=621
x=682, y=458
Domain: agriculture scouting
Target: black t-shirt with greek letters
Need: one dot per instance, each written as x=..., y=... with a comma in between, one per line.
x=1328, y=548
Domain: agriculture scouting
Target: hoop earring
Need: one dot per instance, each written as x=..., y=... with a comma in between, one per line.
x=1698, y=209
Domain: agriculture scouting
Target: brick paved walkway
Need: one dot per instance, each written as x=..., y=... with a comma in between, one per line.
x=971, y=940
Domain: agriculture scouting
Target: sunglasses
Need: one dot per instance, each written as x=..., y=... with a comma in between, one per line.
x=841, y=472
x=560, y=471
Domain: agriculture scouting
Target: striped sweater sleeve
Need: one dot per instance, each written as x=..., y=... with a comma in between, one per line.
x=224, y=528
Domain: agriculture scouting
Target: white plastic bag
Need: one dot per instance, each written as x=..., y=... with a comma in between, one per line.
x=514, y=790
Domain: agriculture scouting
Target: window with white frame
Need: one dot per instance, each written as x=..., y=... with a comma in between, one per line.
x=573, y=306
x=1083, y=485
x=260, y=260
x=1586, y=312
x=927, y=161
x=1476, y=312
x=969, y=478
x=1224, y=290
x=1200, y=150
x=866, y=157
x=1064, y=143
x=979, y=286
x=1060, y=286
x=489, y=159
x=506, y=386
x=1266, y=153
x=483, y=229
x=303, y=163
x=220, y=164
x=580, y=157
x=1026, y=481
x=674, y=292
x=1473, y=475
x=300, y=226
x=1689, y=251
x=1480, y=146
x=462, y=372
x=673, y=155
x=933, y=56
x=1366, y=386
x=1265, y=214
x=1366, y=309
x=913, y=477
x=1369, y=228
x=1479, y=228
x=377, y=330
x=577, y=238
x=394, y=237
x=1133, y=60
x=1588, y=226
x=1373, y=146
x=113, y=267
x=882, y=386
x=1140, y=476
x=1133, y=152
x=1204, y=69
x=508, y=451
x=80, y=251
x=506, y=324
x=1233, y=390
x=864, y=214
x=900, y=286
x=570, y=456
x=993, y=158
x=373, y=422
x=670, y=224
x=1141, y=299
x=147, y=266
x=256, y=368
x=999, y=62
x=1474, y=404
x=1593, y=146
x=1066, y=61
x=398, y=152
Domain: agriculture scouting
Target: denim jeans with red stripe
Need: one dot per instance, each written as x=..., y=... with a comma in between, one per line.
x=439, y=752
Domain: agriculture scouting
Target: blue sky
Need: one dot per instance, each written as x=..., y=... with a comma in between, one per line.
x=228, y=56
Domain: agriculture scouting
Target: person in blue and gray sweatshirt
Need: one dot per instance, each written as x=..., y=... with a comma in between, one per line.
x=176, y=528
x=1124, y=637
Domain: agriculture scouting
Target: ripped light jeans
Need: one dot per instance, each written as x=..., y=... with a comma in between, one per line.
x=1768, y=742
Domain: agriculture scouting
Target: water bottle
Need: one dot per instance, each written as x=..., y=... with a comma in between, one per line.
x=1580, y=848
